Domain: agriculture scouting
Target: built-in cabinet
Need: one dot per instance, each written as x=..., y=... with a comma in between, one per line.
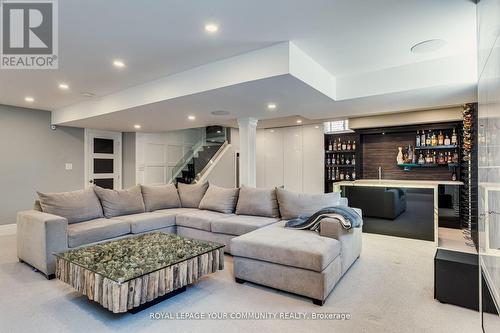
x=291, y=157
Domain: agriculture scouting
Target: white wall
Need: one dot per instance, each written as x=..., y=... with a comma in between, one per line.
x=224, y=172
x=291, y=156
x=158, y=153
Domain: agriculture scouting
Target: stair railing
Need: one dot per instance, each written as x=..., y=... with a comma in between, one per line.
x=201, y=175
x=188, y=156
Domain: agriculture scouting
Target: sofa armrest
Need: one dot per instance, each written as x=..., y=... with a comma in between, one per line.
x=39, y=235
x=350, y=240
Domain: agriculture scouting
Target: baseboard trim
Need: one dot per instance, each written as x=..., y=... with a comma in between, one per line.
x=8, y=229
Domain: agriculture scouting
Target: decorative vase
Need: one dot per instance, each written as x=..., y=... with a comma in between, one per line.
x=399, y=159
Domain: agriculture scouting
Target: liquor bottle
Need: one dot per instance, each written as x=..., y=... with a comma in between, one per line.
x=333, y=161
x=344, y=146
x=349, y=145
x=337, y=175
x=347, y=160
x=455, y=157
x=434, y=159
x=329, y=173
x=441, y=158
x=347, y=177
x=434, y=140
x=330, y=147
x=421, y=159
x=339, y=145
x=413, y=157
x=341, y=175
x=448, y=157
x=353, y=162
x=354, y=145
x=417, y=140
x=454, y=138
x=440, y=138
x=454, y=176
x=447, y=140
x=422, y=139
x=428, y=139
x=353, y=176
x=342, y=161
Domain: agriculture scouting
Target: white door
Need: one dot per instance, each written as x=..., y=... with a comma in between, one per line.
x=103, y=158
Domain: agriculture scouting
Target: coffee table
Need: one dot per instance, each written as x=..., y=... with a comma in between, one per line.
x=133, y=273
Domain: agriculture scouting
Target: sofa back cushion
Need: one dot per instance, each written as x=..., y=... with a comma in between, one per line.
x=191, y=194
x=121, y=202
x=220, y=199
x=160, y=197
x=257, y=202
x=75, y=206
x=292, y=204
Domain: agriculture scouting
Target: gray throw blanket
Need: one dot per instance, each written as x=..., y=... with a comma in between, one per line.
x=347, y=216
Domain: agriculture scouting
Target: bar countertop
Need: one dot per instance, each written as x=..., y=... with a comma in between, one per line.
x=399, y=183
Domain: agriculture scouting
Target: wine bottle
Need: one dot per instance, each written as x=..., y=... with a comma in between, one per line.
x=440, y=138
x=447, y=140
x=454, y=138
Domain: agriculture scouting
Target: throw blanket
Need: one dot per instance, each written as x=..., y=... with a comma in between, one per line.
x=347, y=216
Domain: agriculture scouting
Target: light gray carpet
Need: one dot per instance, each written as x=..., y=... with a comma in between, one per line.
x=389, y=289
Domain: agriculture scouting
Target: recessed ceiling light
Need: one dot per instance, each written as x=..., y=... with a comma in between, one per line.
x=316, y=126
x=299, y=121
x=220, y=113
x=29, y=99
x=211, y=28
x=118, y=63
x=63, y=86
x=272, y=131
x=191, y=117
x=137, y=126
x=430, y=45
x=219, y=131
x=271, y=106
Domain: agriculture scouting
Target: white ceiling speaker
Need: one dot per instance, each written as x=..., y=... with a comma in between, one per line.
x=427, y=46
x=220, y=113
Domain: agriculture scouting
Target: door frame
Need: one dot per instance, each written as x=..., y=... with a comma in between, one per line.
x=118, y=137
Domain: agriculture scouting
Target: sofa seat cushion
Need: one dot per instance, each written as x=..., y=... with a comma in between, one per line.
x=241, y=224
x=297, y=248
x=144, y=222
x=96, y=230
x=199, y=219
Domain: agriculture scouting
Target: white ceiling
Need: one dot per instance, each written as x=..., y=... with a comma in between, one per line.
x=353, y=40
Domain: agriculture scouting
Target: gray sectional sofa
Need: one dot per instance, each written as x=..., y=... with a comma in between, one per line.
x=249, y=221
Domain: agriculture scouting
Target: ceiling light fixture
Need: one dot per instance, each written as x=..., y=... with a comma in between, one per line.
x=427, y=46
x=29, y=99
x=271, y=106
x=137, y=126
x=118, y=63
x=211, y=28
x=191, y=117
x=299, y=121
x=63, y=86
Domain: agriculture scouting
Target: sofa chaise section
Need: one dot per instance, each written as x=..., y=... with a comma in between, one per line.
x=297, y=261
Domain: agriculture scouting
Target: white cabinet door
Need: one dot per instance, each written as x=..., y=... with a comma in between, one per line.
x=273, y=158
x=313, y=155
x=292, y=158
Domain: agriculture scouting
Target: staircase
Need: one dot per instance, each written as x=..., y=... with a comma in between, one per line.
x=198, y=163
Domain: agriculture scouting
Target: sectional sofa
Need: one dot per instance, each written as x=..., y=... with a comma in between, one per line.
x=248, y=221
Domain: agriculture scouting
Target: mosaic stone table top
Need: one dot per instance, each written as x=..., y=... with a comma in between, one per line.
x=129, y=258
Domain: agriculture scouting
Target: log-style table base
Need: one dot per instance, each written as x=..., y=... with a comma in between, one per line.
x=122, y=297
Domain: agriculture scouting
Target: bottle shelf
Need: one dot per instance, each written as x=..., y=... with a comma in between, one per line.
x=436, y=147
x=340, y=151
x=434, y=165
x=340, y=165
